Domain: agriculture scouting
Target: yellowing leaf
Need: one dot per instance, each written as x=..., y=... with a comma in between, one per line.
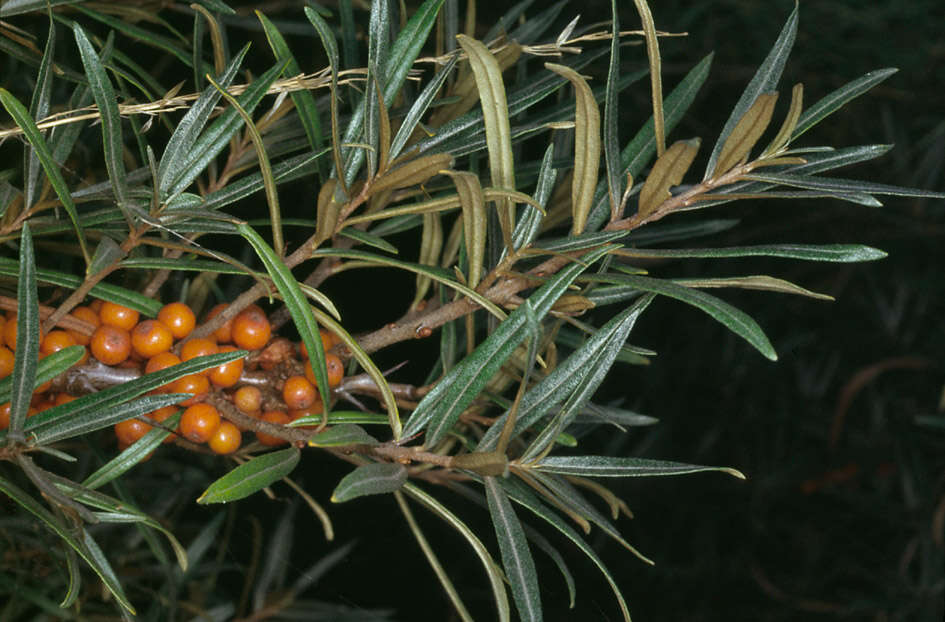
x=667, y=172
x=414, y=172
x=587, y=147
x=475, y=223
x=746, y=133
x=495, y=115
x=790, y=121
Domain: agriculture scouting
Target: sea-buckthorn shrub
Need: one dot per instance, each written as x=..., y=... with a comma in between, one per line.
x=196, y=190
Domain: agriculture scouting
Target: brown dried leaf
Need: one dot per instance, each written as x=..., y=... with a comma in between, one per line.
x=746, y=133
x=668, y=171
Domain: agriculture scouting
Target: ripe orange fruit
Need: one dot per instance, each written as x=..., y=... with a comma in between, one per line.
x=86, y=315
x=298, y=393
x=150, y=338
x=179, y=318
x=118, y=316
x=110, y=345
x=226, y=439
x=251, y=329
x=228, y=374
x=199, y=422
x=130, y=430
x=248, y=399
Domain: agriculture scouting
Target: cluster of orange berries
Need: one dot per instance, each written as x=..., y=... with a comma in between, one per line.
x=121, y=340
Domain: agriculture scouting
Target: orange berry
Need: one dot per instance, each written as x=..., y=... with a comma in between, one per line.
x=110, y=345
x=228, y=374
x=130, y=430
x=197, y=384
x=9, y=331
x=86, y=315
x=199, y=422
x=297, y=393
x=96, y=304
x=192, y=348
x=6, y=361
x=226, y=439
x=336, y=370
x=224, y=334
x=161, y=360
x=5, y=416
x=150, y=338
x=248, y=399
x=277, y=417
x=179, y=318
x=251, y=329
x=118, y=316
x=56, y=340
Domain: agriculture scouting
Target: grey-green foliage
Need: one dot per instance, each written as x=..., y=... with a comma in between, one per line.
x=511, y=277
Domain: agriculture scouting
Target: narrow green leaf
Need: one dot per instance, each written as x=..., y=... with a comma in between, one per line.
x=303, y=99
x=39, y=108
x=66, y=533
x=376, y=478
x=107, y=103
x=765, y=79
x=132, y=455
x=341, y=435
x=85, y=422
x=214, y=138
x=419, y=107
x=27, y=341
x=834, y=184
x=25, y=122
x=369, y=239
x=441, y=407
x=378, y=49
x=48, y=368
x=403, y=53
x=529, y=224
x=495, y=112
x=566, y=378
x=610, y=466
x=516, y=558
x=106, y=253
x=269, y=183
x=104, y=570
x=838, y=98
x=178, y=151
x=610, y=136
x=735, y=320
x=522, y=495
x=297, y=305
x=251, y=476
x=105, y=291
x=587, y=147
x=441, y=574
x=598, y=359
x=844, y=253
x=492, y=570
x=638, y=152
x=75, y=580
